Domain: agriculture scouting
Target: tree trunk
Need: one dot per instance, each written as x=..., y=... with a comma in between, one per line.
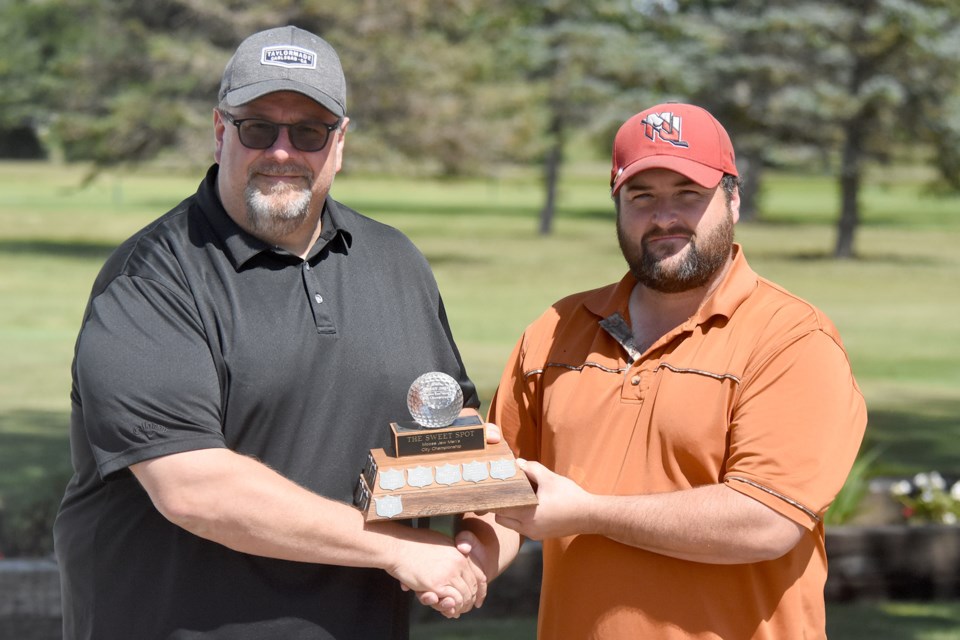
x=551, y=174
x=850, y=174
x=751, y=172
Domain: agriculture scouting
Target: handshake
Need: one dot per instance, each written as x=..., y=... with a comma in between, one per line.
x=448, y=574
x=451, y=575
x=449, y=462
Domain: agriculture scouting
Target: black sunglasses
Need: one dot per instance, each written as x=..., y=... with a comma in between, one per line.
x=256, y=133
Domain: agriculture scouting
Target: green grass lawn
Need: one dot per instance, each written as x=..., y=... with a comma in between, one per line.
x=866, y=621
x=896, y=305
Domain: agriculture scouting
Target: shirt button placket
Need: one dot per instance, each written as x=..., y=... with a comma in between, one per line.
x=632, y=389
x=310, y=280
x=311, y=283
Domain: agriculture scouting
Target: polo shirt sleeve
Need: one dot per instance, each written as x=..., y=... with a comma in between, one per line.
x=145, y=375
x=515, y=407
x=796, y=428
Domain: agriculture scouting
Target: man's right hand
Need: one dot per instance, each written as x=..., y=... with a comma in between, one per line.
x=442, y=576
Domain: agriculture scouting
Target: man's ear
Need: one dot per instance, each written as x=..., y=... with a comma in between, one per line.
x=339, y=140
x=735, y=205
x=218, y=128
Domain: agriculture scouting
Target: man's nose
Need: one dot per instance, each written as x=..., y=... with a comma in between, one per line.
x=664, y=213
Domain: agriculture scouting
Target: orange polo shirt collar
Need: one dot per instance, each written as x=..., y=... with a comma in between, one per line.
x=736, y=286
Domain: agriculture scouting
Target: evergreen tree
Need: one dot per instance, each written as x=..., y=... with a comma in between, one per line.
x=852, y=80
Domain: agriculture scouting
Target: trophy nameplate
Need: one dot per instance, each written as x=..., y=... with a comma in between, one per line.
x=466, y=433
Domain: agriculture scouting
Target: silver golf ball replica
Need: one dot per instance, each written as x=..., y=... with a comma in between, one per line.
x=435, y=400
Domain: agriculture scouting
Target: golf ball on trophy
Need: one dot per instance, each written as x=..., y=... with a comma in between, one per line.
x=435, y=400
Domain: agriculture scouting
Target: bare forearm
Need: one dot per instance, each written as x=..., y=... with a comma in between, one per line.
x=712, y=524
x=242, y=504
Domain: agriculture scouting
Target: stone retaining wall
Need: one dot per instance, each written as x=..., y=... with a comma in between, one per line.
x=893, y=562
x=866, y=562
x=29, y=599
x=30, y=596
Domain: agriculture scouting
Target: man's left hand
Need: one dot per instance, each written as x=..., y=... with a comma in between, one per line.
x=564, y=507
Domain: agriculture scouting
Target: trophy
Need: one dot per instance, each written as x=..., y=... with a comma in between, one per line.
x=439, y=463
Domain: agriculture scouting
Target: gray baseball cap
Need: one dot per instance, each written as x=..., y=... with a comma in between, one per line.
x=285, y=59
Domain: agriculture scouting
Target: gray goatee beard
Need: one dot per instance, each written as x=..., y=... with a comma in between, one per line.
x=277, y=213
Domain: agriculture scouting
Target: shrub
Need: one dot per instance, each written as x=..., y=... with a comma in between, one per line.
x=926, y=499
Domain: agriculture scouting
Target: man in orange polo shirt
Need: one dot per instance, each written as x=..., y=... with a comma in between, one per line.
x=686, y=428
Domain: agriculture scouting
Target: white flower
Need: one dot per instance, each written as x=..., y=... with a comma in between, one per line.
x=937, y=481
x=903, y=488
x=932, y=480
x=949, y=518
x=955, y=491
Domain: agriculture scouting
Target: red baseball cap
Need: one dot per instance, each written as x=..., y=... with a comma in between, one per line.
x=675, y=136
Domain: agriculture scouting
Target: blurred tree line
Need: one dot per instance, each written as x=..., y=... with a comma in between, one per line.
x=474, y=87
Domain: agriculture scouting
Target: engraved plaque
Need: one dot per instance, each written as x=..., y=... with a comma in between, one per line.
x=475, y=471
x=392, y=479
x=448, y=474
x=389, y=506
x=420, y=476
x=503, y=469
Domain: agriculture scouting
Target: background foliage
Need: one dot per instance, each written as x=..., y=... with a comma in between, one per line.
x=474, y=87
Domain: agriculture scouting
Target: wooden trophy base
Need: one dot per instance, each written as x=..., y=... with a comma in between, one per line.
x=396, y=487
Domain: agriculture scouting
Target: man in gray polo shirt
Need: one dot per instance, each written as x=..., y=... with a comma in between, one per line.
x=237, y=360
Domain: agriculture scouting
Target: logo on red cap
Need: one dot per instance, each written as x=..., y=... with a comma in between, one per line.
x=665, y=126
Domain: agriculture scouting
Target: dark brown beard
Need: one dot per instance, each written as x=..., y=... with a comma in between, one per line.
x=706, y=255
